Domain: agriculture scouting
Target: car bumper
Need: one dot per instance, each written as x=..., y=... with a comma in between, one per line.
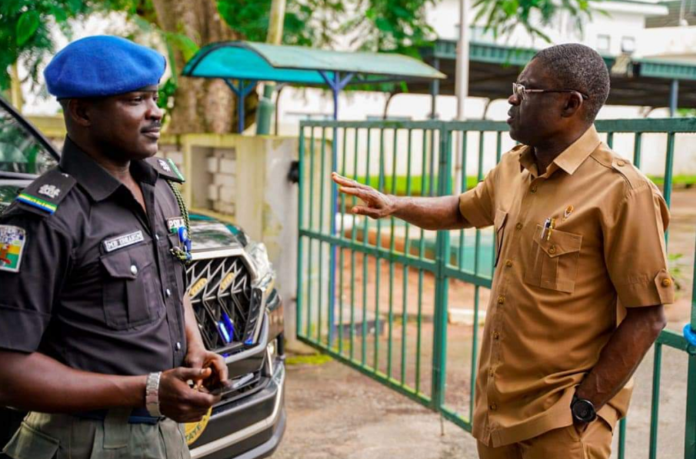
x=249, y=428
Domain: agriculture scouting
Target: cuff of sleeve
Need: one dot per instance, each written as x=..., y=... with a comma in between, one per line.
x=470, y=211
x=21, y=330
x=660, y=290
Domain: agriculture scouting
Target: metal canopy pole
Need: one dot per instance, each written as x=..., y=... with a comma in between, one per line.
x=673, y=98
x=434, y=91
x=245, y=87
x=336, y=84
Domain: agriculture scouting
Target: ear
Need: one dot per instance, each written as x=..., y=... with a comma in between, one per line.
x=573, y=104
x=79, y=111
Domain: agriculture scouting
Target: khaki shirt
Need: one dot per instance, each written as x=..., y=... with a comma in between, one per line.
x=557, y=299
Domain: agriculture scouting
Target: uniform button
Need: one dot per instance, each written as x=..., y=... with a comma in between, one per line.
x=496, y=336
x=666, y=282
x=178, y=346
x=501, y=299
x=508, y=263
x=533, y=189
x=493, y=407
x=518, y=226
x=168, y=292
x=621, y=163
x=134, y=270
x=552, y=249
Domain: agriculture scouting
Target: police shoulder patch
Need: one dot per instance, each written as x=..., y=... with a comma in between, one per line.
x=166, y=168
x=46, y=192
x=12, y=242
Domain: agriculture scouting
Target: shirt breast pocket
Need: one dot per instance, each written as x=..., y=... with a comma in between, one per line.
x=553, y=261
x=499, y=226
x=129, y=290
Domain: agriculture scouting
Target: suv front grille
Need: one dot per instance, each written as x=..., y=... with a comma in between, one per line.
x=221, y=295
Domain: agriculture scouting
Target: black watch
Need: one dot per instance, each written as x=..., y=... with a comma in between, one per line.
x=583, y=410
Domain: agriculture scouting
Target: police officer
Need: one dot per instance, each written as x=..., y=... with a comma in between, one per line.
x=581, y=278
x=98, y=340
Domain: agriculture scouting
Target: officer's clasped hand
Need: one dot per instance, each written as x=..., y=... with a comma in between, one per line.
x=179, y=401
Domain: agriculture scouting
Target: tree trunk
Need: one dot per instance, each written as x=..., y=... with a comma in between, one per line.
x=200, y=105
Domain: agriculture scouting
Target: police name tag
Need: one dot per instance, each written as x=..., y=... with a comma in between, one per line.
x=123, y=241
x=173, y=224
x=12, y=241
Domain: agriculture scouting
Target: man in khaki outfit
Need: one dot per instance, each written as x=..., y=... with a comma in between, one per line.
x=581, y=272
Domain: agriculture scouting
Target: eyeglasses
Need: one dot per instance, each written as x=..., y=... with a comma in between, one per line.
x=520, y=91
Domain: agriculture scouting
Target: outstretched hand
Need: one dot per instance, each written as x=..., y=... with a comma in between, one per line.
x=377, y=205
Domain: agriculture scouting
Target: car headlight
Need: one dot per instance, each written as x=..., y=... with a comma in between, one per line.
x=259, y=256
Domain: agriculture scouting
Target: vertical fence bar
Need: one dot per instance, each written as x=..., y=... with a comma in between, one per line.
x=391, y=262
x=463, y=186
x=442, y=259
x=637, y=147
x=312, y=152
x=353, y=238
x=610, y=139
x=407, y=252
x=378, y=258
x=341, y=255
x=421, y=255
x=300, y=223
x=690, y=428
x=655, y=404
x=320, y=287
x=669, y=166
x=366, y=236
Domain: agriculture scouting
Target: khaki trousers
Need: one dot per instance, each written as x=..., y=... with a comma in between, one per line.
x=59, y=436
x=563, y=443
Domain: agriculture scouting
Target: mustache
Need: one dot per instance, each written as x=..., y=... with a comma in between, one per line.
x=153, y=127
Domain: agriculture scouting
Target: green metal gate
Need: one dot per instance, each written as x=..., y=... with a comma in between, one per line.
x=401, y=304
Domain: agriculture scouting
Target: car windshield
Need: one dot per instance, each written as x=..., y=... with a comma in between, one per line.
x=20, y=150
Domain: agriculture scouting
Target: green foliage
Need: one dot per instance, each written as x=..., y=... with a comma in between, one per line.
x=502, y=17
x=306, y=22
x=25, y=28
x=316, y=359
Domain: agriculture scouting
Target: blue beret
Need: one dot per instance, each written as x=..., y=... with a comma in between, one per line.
x=101, y=66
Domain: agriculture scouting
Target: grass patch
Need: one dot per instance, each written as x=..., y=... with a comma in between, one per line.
x=678, y=181
x=316, y=359
x=418, y=184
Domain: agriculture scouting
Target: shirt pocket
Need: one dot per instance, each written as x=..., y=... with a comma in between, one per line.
x=29, y=443
x=499, y=226
x=129, y=293
x=553, y=261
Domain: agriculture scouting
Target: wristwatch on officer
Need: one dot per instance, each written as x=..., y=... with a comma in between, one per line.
x=583, y=410
x=152, y=394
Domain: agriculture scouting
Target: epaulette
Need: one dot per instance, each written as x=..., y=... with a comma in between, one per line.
x=46, y=192
x=609, y=159
x=166, y=168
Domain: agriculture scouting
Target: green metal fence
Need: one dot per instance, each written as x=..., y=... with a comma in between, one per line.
x=403, y=305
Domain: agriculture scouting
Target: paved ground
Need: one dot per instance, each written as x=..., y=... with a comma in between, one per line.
x=336, y=412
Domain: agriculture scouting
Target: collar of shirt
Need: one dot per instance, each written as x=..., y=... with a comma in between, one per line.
x=569, y=160
x=96, y=180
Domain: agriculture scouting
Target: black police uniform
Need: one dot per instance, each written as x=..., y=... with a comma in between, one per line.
x=98, y=288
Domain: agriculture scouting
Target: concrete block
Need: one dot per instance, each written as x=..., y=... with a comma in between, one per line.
x=176, y=156
x=225, y=180
x=213, y=192
x=225, y=208
x=227, y=194
x=228, y=166
x=213, y=165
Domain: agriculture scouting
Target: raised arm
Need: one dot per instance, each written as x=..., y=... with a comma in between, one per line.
x=430, y=213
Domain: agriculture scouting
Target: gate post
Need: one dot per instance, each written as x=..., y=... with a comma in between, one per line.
x=439, y=374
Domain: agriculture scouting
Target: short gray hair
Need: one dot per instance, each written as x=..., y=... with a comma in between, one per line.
x=579, y=67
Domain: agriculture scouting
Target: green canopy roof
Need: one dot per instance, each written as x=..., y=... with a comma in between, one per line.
x=240, y=60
